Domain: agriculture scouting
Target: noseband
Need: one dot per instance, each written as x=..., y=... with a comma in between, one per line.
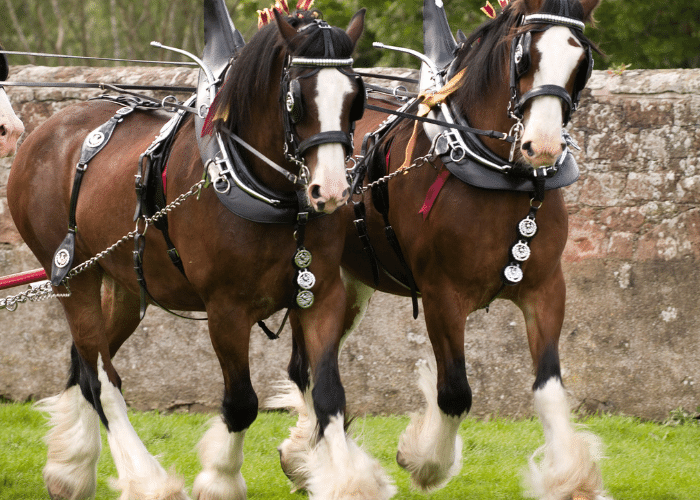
x=520, y=63
x=293, y=106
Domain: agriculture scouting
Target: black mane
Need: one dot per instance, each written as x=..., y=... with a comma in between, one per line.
x=254, y=71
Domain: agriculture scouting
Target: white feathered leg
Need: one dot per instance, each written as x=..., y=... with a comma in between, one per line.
x=430, y=448
x=221, y=454
x=140, y=475
x=567, y=465
x=341, y=470
x=335, y=467
x=296, y=449
x=74, y=445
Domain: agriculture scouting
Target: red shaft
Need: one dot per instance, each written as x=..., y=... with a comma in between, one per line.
x=22, y=278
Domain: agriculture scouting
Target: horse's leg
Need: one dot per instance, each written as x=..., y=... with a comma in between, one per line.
x=338, y=467
x=430, y=448
x=568, y=466
x=94, y=382
x=221, y=448
x=294, y=451
x=73, y=440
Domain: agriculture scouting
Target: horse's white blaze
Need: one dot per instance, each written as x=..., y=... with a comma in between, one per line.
x=568, y=460
x=332, y=88
x=430, y=448
x=140, y=475
x=11, y=127
x=543, y=121
x=221, y=455
x=74, y=445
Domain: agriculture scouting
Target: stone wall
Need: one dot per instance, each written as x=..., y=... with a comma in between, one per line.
x=631, y=338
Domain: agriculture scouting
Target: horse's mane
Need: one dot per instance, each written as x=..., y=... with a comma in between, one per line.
x=486, y=51
x=253, y=72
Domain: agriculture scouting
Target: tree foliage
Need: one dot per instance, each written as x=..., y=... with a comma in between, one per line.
x=649, y=34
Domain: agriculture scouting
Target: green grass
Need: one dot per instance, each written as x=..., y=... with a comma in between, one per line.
x=646, y=461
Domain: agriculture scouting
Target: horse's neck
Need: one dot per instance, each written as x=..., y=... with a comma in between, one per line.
x=490, y=112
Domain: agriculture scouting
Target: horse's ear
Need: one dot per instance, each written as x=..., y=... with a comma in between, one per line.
x=356, y=26
x=588, y=8
x=287, y=31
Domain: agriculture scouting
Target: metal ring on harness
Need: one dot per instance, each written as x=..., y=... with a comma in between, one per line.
x=166, y=107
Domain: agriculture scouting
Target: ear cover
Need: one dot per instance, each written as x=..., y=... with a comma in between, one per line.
x=358, y=105
x=294, y=101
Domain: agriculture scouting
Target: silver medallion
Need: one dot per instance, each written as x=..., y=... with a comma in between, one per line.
x=521, y=252
x=95, y=139
x=513, y=273
x=302, y=259
x=124, y=111
x=527, y=227
x=306, y=280
x=62, y=258
x=305, y=299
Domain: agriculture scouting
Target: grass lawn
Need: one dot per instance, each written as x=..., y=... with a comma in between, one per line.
x=646, y=461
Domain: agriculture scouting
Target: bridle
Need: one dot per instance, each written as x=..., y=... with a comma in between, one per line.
x=293, y=105
x=520, y=63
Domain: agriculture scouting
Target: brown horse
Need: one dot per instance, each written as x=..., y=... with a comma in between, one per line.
x=237, y=270
x=457, y=252
x=11, y=127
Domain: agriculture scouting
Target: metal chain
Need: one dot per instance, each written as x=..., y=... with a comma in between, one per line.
x=44, y=290
x=418, y=162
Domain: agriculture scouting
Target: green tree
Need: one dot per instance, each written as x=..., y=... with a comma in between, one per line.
x=649, y=34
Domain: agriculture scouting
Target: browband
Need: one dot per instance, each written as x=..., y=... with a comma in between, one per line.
x=321, y=62
x=552, y=19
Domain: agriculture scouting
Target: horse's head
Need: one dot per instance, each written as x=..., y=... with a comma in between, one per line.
x=293, y=95
x=322, y=99
x=11, y=127
x=550, y=63
x=526, y=69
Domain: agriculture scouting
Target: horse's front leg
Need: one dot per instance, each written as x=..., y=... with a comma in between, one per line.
x=221, y=448
x=567, y=464
x=430, y=448
x=335, y=467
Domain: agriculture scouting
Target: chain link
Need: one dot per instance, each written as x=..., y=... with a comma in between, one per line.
x=418, y=162
x=44, y=290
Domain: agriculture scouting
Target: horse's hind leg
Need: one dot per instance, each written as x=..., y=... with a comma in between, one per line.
x=73, y=441
x=95, y=384
x=568, y=465
x=430, y=447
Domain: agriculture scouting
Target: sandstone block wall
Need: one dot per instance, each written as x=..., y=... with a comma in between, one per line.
x=631, y=338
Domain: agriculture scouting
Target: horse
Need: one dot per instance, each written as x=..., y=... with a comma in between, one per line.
x=459, y=246
x=239, y=271
x=11, y=127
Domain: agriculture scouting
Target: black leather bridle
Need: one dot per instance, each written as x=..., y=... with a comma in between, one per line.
x=293, y=107
x=519, y=63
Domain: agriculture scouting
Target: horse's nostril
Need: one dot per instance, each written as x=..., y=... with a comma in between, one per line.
x=3, y=130
x=527, y=147
x=315, y=191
